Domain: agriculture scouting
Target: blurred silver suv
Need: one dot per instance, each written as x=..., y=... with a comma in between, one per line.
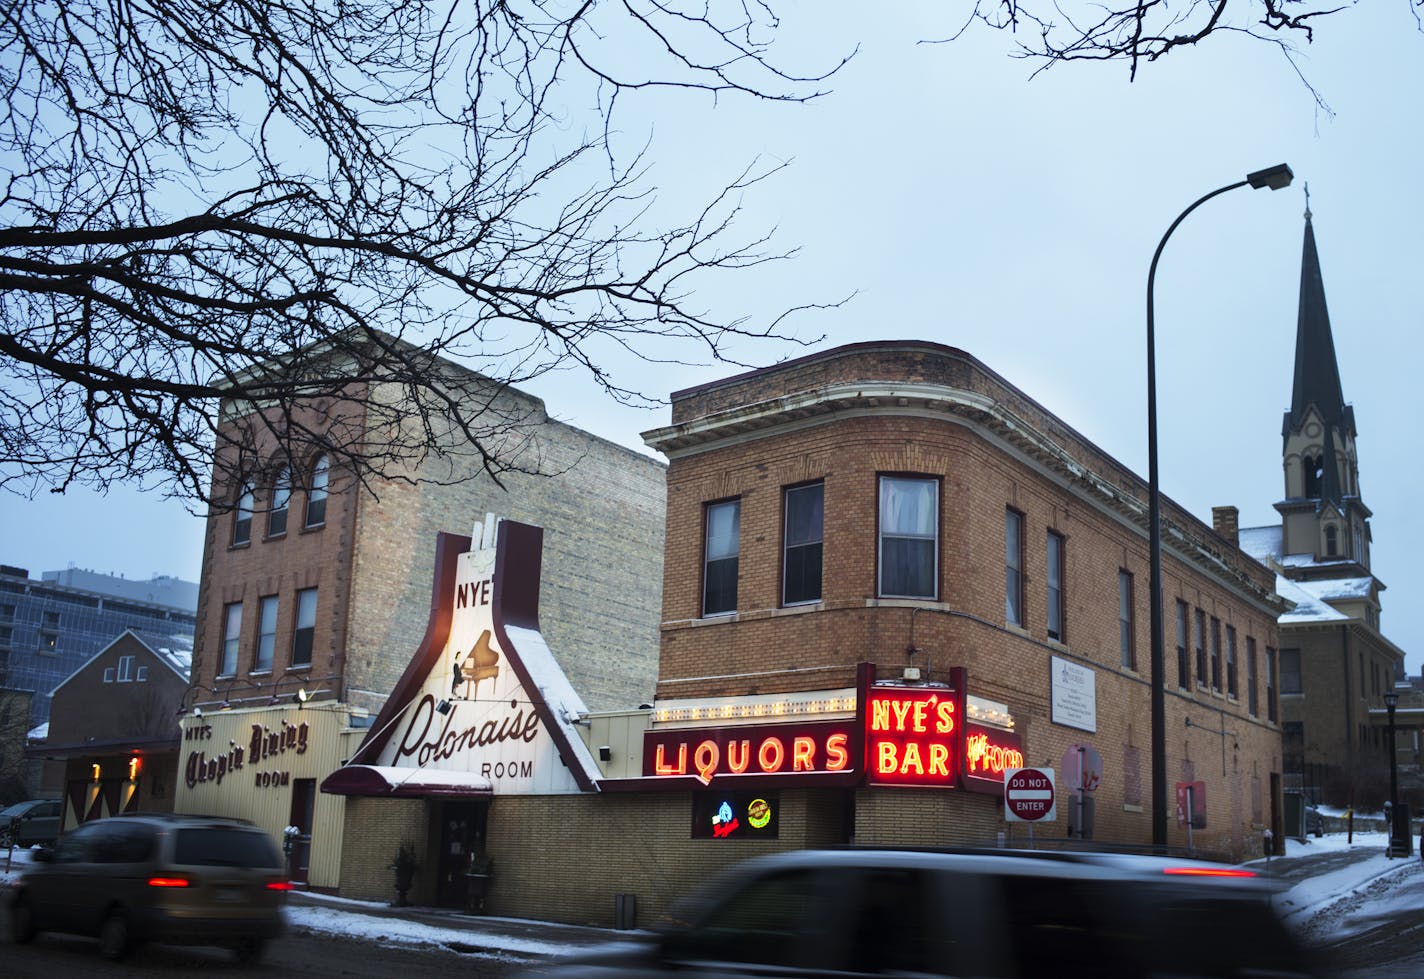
x=967, y=913
x=193, y=880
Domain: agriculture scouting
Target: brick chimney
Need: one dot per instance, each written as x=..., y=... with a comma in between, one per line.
x=1225, y=520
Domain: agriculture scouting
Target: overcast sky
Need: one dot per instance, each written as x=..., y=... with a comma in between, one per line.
x=1014, y=217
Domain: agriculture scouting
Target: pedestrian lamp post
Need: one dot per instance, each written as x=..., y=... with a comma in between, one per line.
x=1275, y=178
x=1391, y=701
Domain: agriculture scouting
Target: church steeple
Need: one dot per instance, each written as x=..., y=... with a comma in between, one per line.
x=1323, y=511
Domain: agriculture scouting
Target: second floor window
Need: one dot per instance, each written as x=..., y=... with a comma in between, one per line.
x=1200, y=620
x=1055, y=585
x=1013, y=568
x=1252, y=688
x=304, y=632
x=1215, y=654
x=1270, y=684
x=232, y=636
x=266, y=634
x=721, y=549
x=316, y=493
x=801, y=557
x=281, y=497
x=126, y=669
x=1231, y=688
x=909, y=536
x=1124, y=620
x=242, y=519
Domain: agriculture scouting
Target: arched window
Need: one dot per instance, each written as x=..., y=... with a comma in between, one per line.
x=1332, y=544
x=1314, y=473
x=316, y=495
x=242, y=519
x=281, y=497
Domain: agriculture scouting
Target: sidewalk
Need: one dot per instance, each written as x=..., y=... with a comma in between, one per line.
x=514, y=938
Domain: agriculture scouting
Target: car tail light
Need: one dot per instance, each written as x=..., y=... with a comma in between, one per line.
x=279, y=885
x=169, y=882
x=1209, y=872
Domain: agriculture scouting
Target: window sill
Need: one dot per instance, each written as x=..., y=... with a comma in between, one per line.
x=272, y=537
x=312, y=528
x=1128, y=807
x=239, y=545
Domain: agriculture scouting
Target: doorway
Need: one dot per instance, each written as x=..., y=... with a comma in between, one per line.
x=299, y=847
x=462, y=835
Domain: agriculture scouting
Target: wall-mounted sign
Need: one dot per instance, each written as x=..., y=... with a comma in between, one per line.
x=483, y=706
x=825, y=747
x=1075, y=697
x=264, y=752
x=913, y=736
x=988, y=753
x=735, y=815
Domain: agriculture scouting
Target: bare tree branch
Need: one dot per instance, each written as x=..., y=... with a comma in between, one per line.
x=310, y=206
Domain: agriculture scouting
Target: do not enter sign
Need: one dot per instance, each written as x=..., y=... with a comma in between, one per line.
x=1028, y=795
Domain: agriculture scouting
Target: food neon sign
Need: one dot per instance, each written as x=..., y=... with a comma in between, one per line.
x=987, y=753
x=912, y=736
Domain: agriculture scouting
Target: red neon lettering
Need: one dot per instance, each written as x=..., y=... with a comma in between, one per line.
x=803, y=755
x=661, y=766
x=738, y=763
x=771, y=755
x=837, y=757
x=705, y=759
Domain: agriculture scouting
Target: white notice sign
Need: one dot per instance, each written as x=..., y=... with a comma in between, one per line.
x=1075, y=696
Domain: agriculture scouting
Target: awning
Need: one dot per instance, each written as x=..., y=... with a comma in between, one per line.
x=405, y=783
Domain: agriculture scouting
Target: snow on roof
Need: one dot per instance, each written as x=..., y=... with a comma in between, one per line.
x=1339, y=589
x=1308, y=606
x=1262, y=543
x=39, y=733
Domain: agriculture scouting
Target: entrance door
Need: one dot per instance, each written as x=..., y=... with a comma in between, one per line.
x=462, y=833
x=303, y=802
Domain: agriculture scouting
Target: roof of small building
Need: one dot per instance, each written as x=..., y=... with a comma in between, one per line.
x=1309, y=607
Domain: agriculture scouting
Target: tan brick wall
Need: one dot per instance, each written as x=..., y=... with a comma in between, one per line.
x=374, y=831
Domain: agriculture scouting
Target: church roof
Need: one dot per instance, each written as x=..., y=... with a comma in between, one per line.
x=1317, y=374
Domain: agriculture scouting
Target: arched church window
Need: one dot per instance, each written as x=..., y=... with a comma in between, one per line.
x=1314, y=472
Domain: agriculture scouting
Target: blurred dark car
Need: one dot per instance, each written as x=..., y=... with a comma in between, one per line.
x=192, y=880
x=28, y=823
x=861, y=912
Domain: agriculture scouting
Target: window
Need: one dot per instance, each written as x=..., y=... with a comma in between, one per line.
x=909, y=536
x=1270, y=684
x=1055, y=586
x=1216, y=654
x=801, y=556
x=1231, y=688
x=1013, y=568
x=108, y=674
x=1124, y=619
x=281, y=499
x=305, y=630
x=232, y=632
x=242, y=519
x=126, y=667
x=1184, y=667
x=1314, y=473
x=316, y=495
x=141, y=674
x=1252, y=691
x=1290, y=671
x=720, y=551
x=266, y=634
x=1200, y=618
x=1331, y=541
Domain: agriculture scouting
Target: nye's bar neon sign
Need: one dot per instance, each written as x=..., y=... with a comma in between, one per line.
x=913, y=736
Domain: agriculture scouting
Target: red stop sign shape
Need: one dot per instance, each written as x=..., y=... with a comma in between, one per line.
x=1028, y=794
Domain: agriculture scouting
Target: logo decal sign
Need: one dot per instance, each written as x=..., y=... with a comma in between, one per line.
x=735, y=815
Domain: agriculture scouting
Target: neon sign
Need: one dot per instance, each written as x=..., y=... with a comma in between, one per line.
x=987, y=753
x=912, y=736
x=773, y=749
x=734, y=815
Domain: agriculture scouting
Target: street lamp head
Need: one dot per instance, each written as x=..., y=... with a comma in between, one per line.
x=1274, y=177
x=1391, y=700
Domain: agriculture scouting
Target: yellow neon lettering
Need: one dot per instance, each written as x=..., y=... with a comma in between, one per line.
x=661, y=766
x=945, y=710
x=803, y=755
x=939, y=760
x=880, y=715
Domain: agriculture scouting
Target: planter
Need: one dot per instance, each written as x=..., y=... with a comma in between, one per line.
x=476, y=888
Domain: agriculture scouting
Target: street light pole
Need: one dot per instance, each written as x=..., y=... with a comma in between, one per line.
x=1391, y=701
x=1275, y=178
